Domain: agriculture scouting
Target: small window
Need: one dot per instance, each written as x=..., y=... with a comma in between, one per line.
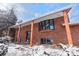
x=45, y=41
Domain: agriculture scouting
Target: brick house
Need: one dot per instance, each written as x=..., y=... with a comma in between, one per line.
x=52, y=28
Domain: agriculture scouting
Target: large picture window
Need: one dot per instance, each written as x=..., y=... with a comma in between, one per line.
x=46, y=24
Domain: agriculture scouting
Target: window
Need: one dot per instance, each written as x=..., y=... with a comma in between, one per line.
x=28, y=37
x=46, y=24
x=45, y=41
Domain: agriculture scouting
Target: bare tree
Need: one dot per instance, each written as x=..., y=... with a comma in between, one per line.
x=7, y=19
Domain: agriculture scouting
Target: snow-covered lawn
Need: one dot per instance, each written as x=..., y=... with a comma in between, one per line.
x=24, y=50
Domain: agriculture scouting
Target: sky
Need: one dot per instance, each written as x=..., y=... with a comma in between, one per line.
x=27, y=11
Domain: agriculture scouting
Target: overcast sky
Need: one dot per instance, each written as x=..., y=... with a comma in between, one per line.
x=28, y=11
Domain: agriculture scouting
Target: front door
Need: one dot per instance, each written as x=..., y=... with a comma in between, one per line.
x=28, y=37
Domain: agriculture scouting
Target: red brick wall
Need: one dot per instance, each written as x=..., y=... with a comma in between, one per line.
x=75, y=34
x=58, y=35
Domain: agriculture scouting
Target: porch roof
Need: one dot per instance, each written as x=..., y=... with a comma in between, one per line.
x=50, y=15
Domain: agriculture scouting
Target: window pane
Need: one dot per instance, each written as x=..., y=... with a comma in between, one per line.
x=43, y=25
x=41, y=40
x=44, y=40
x=47, y=24
x=39, y=26
x=48, y=41
x=51, y=26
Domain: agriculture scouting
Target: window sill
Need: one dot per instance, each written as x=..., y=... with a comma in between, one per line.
x=45, y=30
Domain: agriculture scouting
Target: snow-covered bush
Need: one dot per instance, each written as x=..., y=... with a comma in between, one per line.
x=3, y=49
x=5, y=39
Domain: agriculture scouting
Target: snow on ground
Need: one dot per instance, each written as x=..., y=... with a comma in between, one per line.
x=24, y=50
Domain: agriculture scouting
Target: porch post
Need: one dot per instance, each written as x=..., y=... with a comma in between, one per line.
x=67, y=27
x=18, y=35
x=31, y=34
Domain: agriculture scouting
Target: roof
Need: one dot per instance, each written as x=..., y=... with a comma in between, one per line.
x=50, y=15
